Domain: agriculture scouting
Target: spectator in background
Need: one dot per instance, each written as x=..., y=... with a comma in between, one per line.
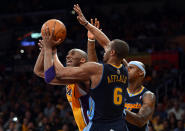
x=44, y=122
x=176, y=110
x=182, y=100
x=25, y=124
x=12, y=127
x=28, y=115
x=160, y=111
x=157, y=123
x=48, y=127
x=180, y=126
x=7, y=123
x=65, y=127
x=49, y=109
x=150, y=127
x=38, y=120
x=1, y=123
x=183, y=117
x=165, y=125
x=31, y=126
x=172, y=121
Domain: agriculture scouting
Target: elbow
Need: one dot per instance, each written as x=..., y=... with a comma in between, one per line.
x=40, y=74
x=59, y=76
x=141, y=122
x=35, y=71
x=136, y=120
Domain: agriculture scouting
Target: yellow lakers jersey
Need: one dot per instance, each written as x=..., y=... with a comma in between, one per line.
x=78, y=102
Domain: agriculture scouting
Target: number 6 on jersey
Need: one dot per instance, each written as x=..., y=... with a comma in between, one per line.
x=118, y=98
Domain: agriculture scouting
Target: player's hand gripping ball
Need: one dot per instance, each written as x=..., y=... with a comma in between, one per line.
x=59, y=29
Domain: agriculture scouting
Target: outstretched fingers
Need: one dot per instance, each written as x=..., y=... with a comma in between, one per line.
x=77, y=9
x=53, y=30
x=92, y=21
x=40, y=44
x=47, y=31
x=97, y=23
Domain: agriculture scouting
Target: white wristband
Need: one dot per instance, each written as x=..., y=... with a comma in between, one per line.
x=90, y=40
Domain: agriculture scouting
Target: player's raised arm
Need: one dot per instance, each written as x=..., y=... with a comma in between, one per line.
x=39, y=65
x=77, y=74
x=66, y=75
x=145, y=113
x=102, y=39
x=91, y=43
x=48, y=44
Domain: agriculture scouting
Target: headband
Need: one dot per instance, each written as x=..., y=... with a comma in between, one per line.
x=138, y=64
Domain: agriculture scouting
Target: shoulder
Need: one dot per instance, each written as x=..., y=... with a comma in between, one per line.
x=148, y=95
x=92, y=66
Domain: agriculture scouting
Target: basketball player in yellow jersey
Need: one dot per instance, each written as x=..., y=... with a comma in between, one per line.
x=75, y=93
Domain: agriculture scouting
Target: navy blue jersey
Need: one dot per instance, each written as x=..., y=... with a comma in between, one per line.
x=133, y=103
x=107, y=99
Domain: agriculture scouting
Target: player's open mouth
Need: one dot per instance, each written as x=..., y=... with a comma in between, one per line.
x=69, y=61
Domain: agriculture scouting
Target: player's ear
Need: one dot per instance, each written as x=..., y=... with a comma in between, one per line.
x=141, y=74
x=112, y=52
x=83, y=60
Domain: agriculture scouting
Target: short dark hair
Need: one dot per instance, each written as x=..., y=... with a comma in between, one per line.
x=82, y=53
x=121, y=48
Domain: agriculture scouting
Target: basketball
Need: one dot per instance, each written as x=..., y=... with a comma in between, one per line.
x=59, y=32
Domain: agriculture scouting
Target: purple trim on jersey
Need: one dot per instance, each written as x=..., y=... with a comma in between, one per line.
x=84, y=101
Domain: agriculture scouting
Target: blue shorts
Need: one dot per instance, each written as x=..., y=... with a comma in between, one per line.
x=110, y=126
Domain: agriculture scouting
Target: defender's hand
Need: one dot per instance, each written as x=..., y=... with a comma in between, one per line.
x=82, y=20
x=96, y=23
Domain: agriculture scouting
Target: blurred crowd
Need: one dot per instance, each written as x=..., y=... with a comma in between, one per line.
x=28, y=104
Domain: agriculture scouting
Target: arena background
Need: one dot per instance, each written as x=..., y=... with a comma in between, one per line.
x=154, y=29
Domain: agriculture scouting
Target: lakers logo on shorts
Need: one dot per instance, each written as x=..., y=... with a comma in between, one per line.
x=69, y=92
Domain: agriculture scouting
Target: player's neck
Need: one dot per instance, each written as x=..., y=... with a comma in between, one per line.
x=114, y=61
x=134, y=87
